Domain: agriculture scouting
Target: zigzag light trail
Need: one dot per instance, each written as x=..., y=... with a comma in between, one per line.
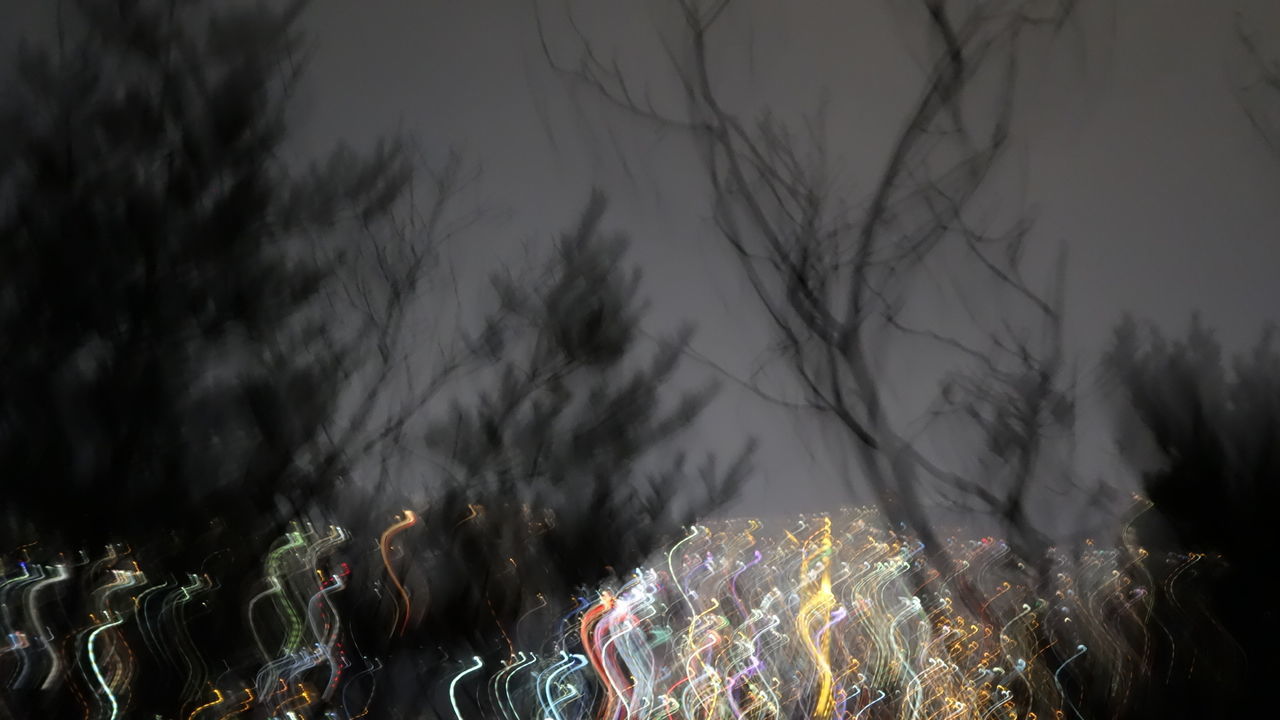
x=836, y=619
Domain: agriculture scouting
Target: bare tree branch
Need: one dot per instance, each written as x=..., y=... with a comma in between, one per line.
x=833, y=288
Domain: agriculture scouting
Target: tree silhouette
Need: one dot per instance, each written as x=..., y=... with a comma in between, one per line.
x=200, y=337
x=171, y=349
x=568, y=465
x=842, y=280
x=1204, y=435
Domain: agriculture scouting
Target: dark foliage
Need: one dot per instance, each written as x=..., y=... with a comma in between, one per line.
x=1211, y=435
x=567, y=467
x=163, y=356
x=180, y=372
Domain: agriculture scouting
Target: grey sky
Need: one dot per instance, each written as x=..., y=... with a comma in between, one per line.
x=1135, y=153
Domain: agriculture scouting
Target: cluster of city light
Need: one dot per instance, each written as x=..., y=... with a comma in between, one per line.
x=835, y=617
x=832, y=619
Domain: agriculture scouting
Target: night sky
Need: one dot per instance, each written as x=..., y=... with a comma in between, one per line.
x=1131, y=148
